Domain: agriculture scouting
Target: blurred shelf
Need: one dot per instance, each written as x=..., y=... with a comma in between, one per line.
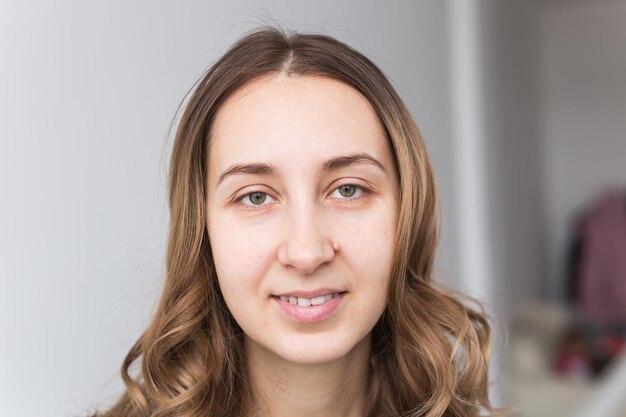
x=537, y=391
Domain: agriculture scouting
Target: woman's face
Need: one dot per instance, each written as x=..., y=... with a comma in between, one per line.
x=301, y=215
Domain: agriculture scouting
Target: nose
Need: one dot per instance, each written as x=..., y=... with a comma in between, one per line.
x=306, y=244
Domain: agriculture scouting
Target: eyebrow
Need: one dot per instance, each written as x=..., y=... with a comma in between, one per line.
x=332, y=164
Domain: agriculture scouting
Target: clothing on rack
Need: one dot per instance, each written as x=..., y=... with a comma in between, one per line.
x=597, y=260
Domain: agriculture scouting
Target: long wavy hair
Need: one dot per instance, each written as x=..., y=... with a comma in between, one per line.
x=429, y=351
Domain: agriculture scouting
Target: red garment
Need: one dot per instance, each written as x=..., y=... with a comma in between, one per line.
x=602, y=279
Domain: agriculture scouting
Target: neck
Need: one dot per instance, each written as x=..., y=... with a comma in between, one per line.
x=332, y=389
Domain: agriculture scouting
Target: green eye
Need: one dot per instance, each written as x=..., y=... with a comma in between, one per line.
x=350, y=192
x=257, y=197
x=347, y=190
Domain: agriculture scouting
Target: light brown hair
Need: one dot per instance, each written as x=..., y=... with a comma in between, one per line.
x=429, y=352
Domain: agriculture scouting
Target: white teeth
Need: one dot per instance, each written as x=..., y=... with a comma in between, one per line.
x=306, y=302
x=318, y=300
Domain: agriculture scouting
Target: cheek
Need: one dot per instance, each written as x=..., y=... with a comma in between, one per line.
x=370, y=259
x=370, y=239
x=240, y=258
x=238, y=279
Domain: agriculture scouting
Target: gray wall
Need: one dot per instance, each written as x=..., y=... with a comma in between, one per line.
x=88, y=90
x=582, y=68
x=513, y=136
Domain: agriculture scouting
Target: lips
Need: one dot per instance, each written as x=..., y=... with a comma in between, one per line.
x=305, y=302
x=315, y=297
x=305, y=311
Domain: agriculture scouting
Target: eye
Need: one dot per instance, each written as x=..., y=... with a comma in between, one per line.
x=257, y=198
x=349, y=191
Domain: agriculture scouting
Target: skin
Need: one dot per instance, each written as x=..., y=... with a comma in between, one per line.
x=302, y=233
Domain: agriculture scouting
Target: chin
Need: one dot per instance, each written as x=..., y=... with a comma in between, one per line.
x=315, y=349
x=312, y=356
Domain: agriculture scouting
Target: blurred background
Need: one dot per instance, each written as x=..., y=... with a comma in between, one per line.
x=522, y=105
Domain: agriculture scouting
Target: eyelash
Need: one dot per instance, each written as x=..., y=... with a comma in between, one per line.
x=364, y=191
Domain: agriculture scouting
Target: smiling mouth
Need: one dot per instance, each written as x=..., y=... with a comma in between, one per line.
x=306, y=301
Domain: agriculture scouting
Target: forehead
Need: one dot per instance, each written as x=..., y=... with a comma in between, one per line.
x=293, y=117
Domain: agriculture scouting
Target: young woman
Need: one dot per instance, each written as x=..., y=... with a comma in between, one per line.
x=302, y=237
